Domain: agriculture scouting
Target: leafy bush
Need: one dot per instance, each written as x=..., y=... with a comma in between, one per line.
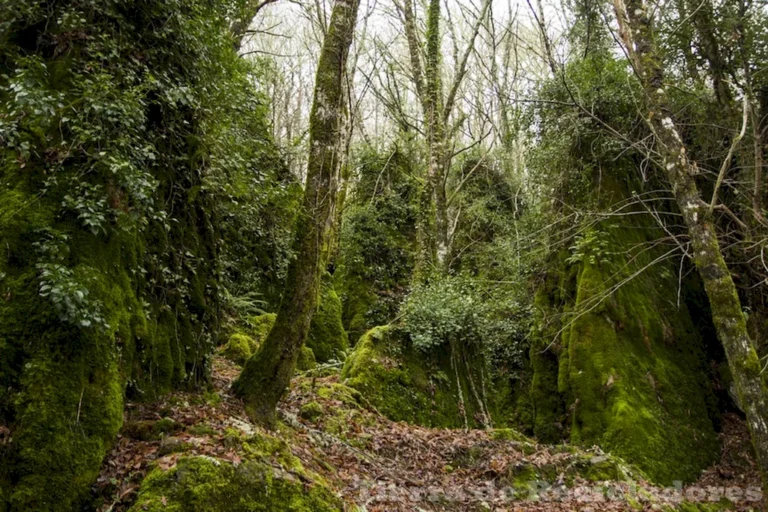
x=456, y=309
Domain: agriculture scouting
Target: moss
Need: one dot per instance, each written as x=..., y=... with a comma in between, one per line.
x=170, y=445
x=205, y=484
x=260, y=325
x=62, y=385
x=201, y=430
x=342, y=393
x=546, y=400
x=571, y=466
x=239, y=348
x=258, y=328
x=147, y=430
x=327, y=337
x=406, y=385
x=383, y=381
x=306, y=360
x=67, y=381
x=630, y=366
x=311, y=411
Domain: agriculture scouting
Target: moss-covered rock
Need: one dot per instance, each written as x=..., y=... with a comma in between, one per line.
x=205, y=484
x=311, y=411
x=567, y=467
x=408, y=385
x=239, y=348
x=147, y=430
x=327, y=337
x=109, y=272
x=258, y=327
x=306, y=360
x=627, y=360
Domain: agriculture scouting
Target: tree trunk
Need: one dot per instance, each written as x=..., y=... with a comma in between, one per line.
x=435, y=243
x=267, y=374
x=752, y=389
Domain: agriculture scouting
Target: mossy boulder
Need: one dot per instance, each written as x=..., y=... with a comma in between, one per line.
x=239, y=348
x=258, y=327
x=148, y=430
x=567, y=467
x=306, y=360
x=625, y=368
x=205, y=484
x=407, y=385
x=327, y=337
x=311, y=411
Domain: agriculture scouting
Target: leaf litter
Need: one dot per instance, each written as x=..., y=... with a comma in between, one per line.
x=377, y=465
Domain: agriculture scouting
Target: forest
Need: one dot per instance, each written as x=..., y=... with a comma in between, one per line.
x=383, y=255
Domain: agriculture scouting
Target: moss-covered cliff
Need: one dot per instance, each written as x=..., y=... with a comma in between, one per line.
x=118, y=121
x=618, y=361
x=327, y=337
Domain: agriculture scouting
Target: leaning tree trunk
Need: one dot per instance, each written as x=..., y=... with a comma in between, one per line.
x=267, y=373
x=752, y=389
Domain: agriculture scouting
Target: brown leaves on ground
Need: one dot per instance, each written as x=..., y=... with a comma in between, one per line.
x=380, y=465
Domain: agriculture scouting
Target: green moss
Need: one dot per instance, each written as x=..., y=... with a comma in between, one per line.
x=201, y=430
x=630, y=366
x=67, y=397
x=259, y=326
x=546, y=400
x=311, y=411
x=257, y=329
x=327, y=337
x=306, y=360
x=147, y=430
x=569, y=467
x=407, y=385
x=342, y=393
x=239, y=348
x=62, y=385
x=205, y=484
x=383, y=380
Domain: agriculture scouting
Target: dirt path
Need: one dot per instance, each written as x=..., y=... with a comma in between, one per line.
x=385, y=466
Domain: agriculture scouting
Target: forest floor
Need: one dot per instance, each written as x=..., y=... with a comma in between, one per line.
x=379, y=465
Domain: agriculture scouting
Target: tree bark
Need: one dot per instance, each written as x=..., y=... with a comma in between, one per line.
x=638, y=39
x=267, y=374
x=433, y=228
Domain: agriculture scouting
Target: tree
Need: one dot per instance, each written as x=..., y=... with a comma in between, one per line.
x=267, y=374
x=434, y=229
x=638, y=39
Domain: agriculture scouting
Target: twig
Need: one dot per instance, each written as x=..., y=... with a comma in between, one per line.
x=729, y=156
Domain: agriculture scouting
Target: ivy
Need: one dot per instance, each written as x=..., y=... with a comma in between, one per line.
x=67, y=292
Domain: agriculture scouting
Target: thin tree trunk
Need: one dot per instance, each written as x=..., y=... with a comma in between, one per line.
x=434, y=243
x=638, y=38
x=267, y=373
x=758, y=129
x=433, y=229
